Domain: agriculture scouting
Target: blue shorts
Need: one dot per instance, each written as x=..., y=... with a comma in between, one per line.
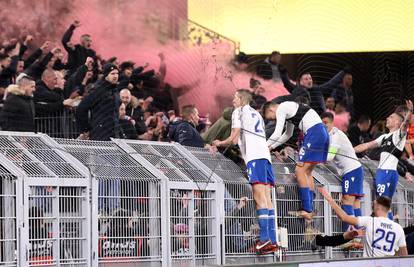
x=315, y=145
x=353, y=183
x=386, y=182
x=260, y=172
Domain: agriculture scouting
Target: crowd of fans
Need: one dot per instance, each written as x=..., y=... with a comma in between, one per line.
x=122, y=100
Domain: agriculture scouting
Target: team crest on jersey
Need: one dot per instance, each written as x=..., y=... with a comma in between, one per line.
x=388, y=184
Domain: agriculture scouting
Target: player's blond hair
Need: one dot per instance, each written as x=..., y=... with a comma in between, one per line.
x=245, y=96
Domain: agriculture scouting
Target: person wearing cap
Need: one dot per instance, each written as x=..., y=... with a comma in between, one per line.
x=103, y=104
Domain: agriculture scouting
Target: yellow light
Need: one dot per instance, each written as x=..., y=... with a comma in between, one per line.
x=307, y=26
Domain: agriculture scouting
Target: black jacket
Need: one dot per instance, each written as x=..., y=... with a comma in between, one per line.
x=185, y=133
x=264, y=70
x=18, y=113
x=74, y=82
x=103, y=104
x=7, y=74
x=47, y=101
x=138, y=115
x=314, y=94
x=78, y=55
x=128, y=130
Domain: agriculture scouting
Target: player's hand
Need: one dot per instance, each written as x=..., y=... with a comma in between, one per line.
x=216, y=143
x=324, y=193
x=349, y=235
x=277, y=155
x=211, y=149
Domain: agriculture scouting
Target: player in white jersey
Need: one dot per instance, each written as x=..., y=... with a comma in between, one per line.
x=391, y=146
x=382, y=236
x=349, y=168
x=314, y=147
x=248, y=132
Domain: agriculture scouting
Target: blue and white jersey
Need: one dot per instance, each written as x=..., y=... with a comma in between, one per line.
x=252, y=140
x=291, y=114
x=391, y=146
x=382, y=236
x=342, y=152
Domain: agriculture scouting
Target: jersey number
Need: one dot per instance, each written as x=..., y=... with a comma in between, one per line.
x=389, y=238
x=258, y=127
x=380, y=188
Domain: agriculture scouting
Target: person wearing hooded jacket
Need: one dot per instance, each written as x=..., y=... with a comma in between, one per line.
x=103, y=104
x=18, y=109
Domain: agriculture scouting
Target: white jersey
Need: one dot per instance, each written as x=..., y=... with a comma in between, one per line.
x=288, y=110
x=391, y=142
x=252, y=140
x=342, y=152
x=382, y=236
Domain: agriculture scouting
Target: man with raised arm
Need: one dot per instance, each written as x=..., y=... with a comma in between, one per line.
x=391, y=146
x=383, y=237
x=248, y=131
x=314, y=147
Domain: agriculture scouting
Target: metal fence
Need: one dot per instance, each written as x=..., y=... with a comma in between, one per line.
x=129, y=199
x=58, y=125
x=135, y=203
x=53, y=218
x=193, y=197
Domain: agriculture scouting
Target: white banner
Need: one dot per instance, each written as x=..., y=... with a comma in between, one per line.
x=391, y=262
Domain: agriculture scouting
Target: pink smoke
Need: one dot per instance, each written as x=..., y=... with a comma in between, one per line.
x=139, y=30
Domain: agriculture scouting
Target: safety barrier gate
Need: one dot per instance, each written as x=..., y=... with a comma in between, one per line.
x=135, y=203
x=51, y=204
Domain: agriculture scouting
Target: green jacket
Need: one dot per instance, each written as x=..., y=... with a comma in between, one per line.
x=221, y=129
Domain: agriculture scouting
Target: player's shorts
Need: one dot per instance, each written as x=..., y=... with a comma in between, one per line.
x=260, y=171
x=386, y=182
x=353, y=183
x=315, y=145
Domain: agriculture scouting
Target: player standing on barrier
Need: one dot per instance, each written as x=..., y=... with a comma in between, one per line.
x=248, y=131
x=391, y=146
x=343, y=155
x=382, y=236
x=314, y=147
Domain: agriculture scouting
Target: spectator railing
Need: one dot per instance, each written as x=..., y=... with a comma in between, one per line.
x=90, y=203
x=58, y=125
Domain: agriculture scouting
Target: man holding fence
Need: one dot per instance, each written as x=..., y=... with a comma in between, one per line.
x=248, y=132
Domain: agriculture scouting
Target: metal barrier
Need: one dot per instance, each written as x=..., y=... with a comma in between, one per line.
x=240, y=223
x=9, y=243
x=129, y=205
x=55, y=217
x=194, y=195
x=88, y=203
x=58, y=125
